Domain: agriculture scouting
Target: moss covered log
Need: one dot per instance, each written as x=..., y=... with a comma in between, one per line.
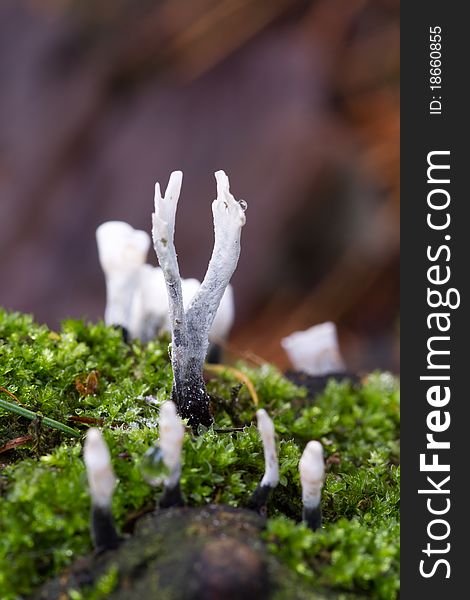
x=86, y=375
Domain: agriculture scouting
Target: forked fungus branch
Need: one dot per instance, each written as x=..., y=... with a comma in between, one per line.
x=190, y=328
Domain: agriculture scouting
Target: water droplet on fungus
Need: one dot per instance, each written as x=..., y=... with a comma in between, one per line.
x=153, y=467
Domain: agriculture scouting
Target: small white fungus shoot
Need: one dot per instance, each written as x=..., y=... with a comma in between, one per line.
x=101, y=478
x=171, y=441
x=312, y=474
x=122, y=251
x=266, y=431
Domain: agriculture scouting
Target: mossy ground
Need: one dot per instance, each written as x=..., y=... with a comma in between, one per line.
x=44, y=504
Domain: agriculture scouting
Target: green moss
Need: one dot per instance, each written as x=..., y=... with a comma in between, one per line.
x=104, y=586
x=44, y=505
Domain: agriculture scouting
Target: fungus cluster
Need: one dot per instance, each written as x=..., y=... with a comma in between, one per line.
x=144, y=300
x=136, y=296
x=162, y=467
x=193, y=312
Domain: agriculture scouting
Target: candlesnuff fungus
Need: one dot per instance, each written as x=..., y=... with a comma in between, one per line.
x=315, y=351
x=176, y=551
x=122, y=251
x=162, y=463
x=271, y=475
x=312, y=475
x=101, y=481
x=190, y=328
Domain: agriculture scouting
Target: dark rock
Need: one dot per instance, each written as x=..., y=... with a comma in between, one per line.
x=205, y=553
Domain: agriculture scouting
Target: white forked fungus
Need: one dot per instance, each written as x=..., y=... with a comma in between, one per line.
x=312, y=474
x=171, y=441
x=190, y=328
x=122, y=251
x=101, y=479
x=315, y=350
x=266, y=431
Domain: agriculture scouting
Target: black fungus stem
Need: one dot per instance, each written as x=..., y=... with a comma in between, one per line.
x=312, y=516
x=193, y=402
x=259, y=499
x=172, y=497
x=105, y=536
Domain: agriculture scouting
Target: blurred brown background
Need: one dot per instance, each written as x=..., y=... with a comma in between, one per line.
x=296, y=100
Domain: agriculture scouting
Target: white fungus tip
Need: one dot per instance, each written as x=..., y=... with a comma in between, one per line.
x=171, y=440
x=121, y=248
x=101, y=479
x=172, y=191
x=265, y=424
x=158, y=192
x=267, y=433
x=315, y=350
x=168, y=411
x=163, y=219
x=312, y=474
x=229, y=215
x=223, y=183
x=173, y=188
